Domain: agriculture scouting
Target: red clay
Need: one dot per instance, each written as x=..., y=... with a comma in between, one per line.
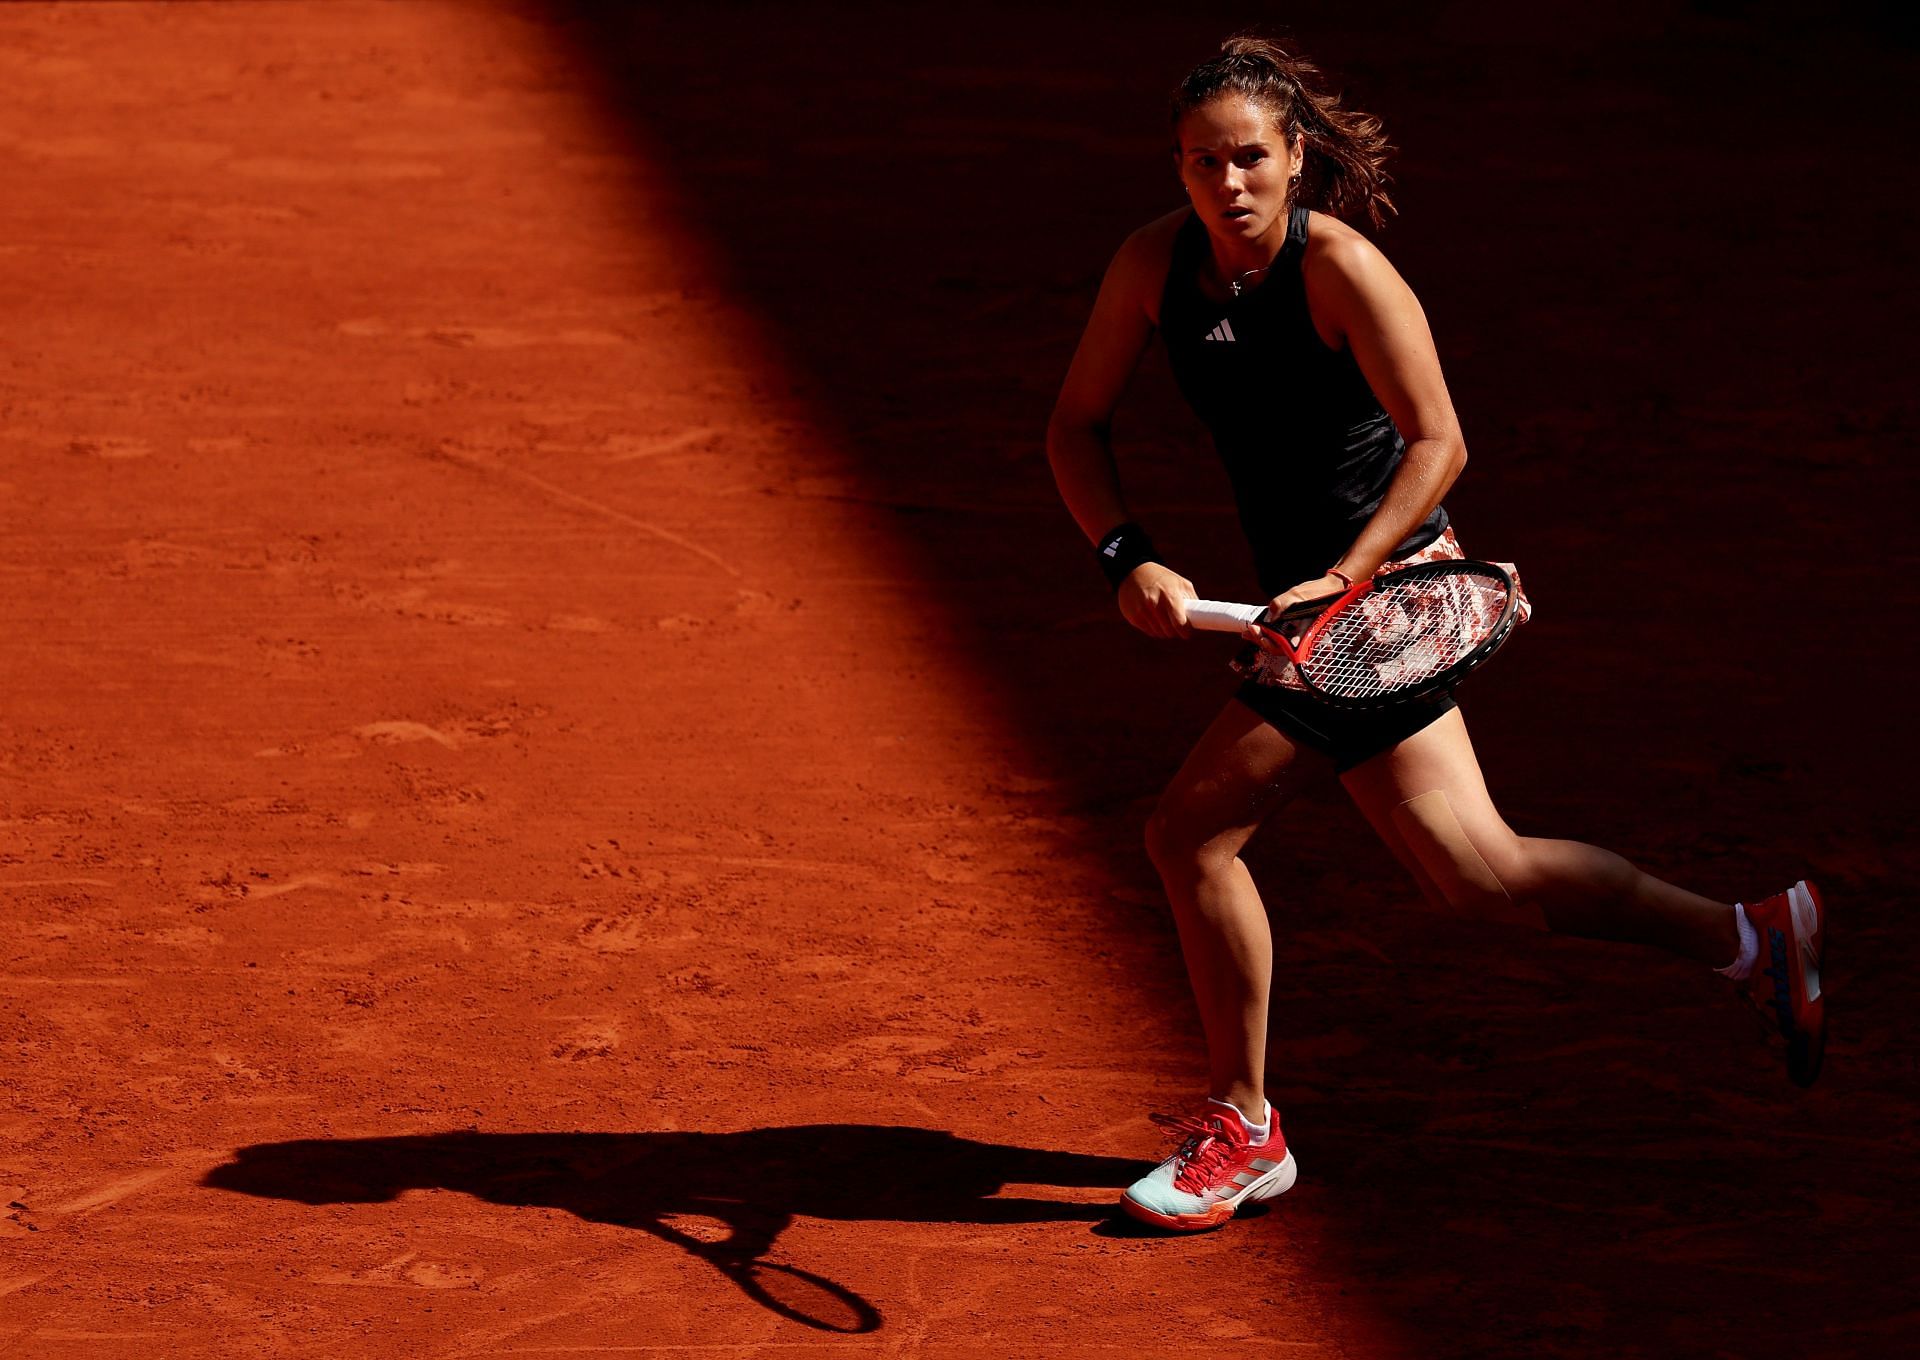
x=564, y=785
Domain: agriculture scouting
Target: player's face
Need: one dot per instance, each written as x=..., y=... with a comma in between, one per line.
x=1236, y=165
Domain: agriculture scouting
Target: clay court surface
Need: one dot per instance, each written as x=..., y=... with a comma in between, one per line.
x=566, y=786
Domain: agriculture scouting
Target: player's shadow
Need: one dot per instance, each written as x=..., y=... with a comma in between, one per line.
x=679, y=1186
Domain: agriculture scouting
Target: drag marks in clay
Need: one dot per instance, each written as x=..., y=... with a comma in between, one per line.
x=112, y=447
x=480, y=337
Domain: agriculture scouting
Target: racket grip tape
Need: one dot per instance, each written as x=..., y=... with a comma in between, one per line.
x=1219, y=616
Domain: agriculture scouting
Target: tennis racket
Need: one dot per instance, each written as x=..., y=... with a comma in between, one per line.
x=1399, y=636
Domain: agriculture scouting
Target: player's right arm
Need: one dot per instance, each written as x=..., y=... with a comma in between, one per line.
x=1079, y=434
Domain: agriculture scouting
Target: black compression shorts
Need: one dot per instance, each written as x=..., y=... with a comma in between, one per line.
x=1351, y=738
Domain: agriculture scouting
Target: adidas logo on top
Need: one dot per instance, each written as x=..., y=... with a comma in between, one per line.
x=1223, y=332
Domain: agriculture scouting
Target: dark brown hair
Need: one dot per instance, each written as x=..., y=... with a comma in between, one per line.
x=1346, y=150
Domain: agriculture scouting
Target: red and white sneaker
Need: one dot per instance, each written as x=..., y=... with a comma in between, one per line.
x=1212, y=1173
x=1786, y=978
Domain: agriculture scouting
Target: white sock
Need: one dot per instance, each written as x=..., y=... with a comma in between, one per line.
x=1742, y=967
x=1260, y=1132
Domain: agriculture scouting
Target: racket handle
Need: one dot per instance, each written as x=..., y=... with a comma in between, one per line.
x=1217, y=616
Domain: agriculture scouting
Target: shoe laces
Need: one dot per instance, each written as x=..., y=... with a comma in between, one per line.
x=1205, y=1145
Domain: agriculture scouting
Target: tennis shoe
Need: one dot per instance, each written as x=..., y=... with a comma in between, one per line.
x=1785, y=984
x=1214, y=1170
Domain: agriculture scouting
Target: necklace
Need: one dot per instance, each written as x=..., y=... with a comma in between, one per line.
x=1239, y=281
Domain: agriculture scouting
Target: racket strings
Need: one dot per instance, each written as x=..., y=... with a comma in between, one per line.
x=1406, y=634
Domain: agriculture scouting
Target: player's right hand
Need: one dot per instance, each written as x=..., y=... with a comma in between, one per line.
x=1154, y=600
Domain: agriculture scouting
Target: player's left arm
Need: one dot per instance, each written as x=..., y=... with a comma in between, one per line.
x=1360, y=298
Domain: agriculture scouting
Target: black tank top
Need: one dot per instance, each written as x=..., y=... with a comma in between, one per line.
x=1307, y=445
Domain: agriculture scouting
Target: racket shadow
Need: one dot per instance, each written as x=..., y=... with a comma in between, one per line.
x=754, y=1183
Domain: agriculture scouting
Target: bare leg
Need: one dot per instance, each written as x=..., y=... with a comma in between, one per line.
x=1576, y=889
x=1241, y=771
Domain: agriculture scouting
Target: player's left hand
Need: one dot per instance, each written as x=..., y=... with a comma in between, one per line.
x=1318, y=588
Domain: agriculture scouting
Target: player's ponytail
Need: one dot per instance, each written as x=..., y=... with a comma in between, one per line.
x=1346, y=150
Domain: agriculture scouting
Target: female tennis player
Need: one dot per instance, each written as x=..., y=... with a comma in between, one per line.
x=1310, y=361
